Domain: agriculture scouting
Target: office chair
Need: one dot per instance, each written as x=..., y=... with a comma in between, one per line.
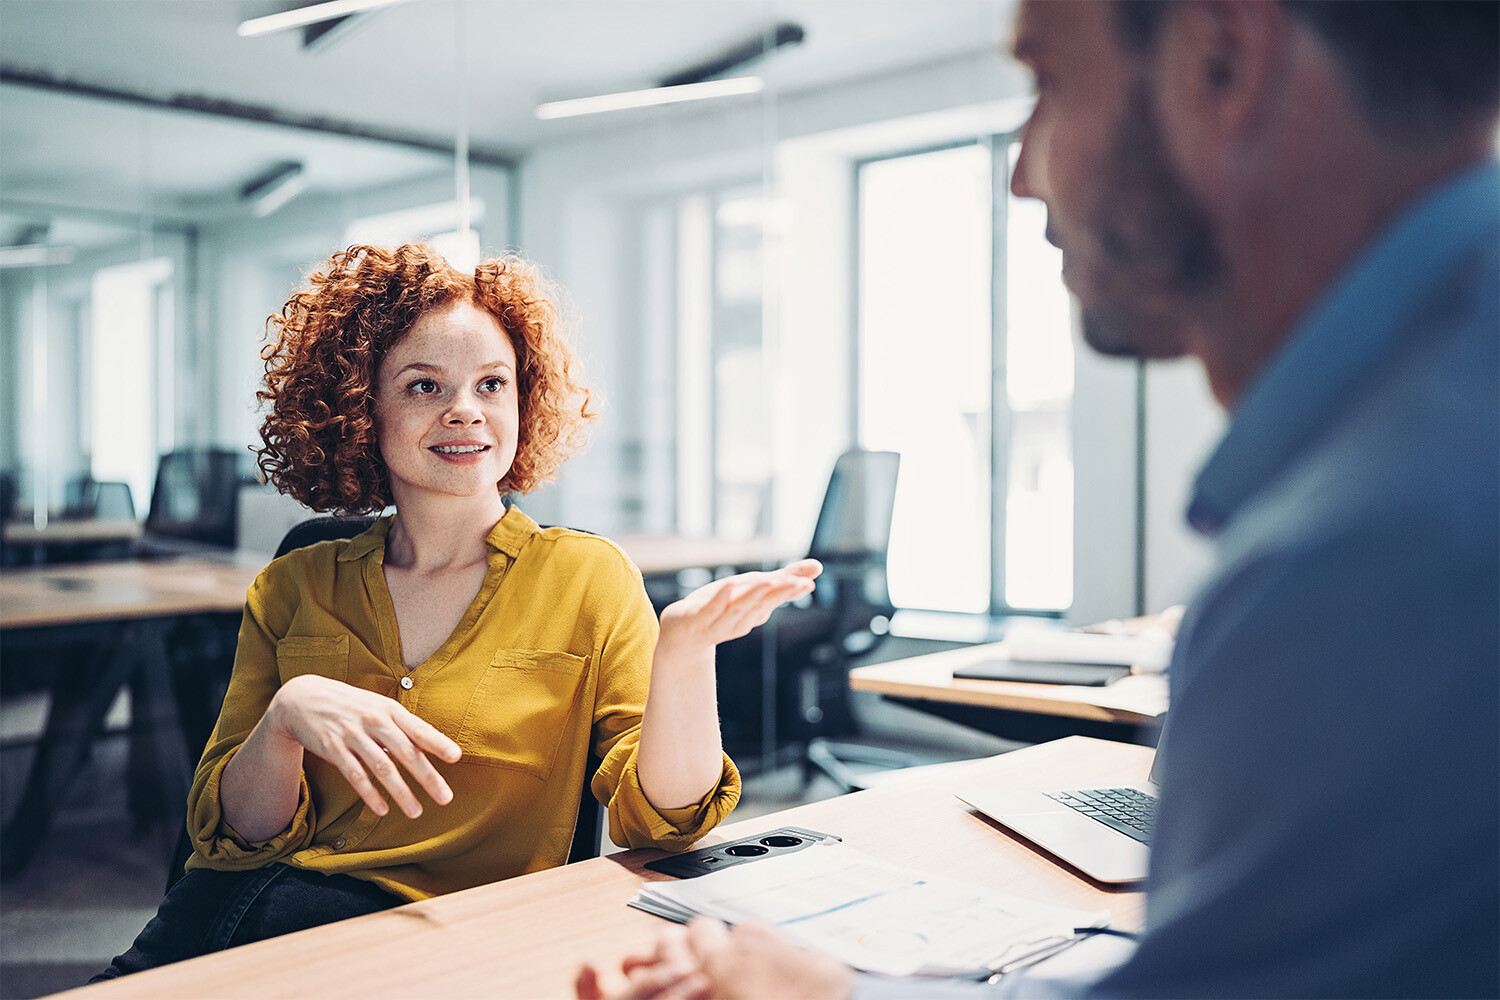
x=87, y=498
x=8, y=496
x=588, y=828
x=196, y=497
x=814, y=646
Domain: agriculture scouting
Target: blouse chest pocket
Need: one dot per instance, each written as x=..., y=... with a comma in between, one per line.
x=521, y=709
x=324, y=655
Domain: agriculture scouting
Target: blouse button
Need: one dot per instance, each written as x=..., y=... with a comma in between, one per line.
x=338, y=845
x=406, y=683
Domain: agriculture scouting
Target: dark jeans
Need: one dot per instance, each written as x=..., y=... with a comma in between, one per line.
x=208, y=911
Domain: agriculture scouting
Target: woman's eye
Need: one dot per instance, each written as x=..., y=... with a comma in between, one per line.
x=423, y=387
x=494, y=384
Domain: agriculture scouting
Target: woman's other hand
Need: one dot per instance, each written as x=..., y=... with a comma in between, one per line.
x=729, y=608
x=680, y=757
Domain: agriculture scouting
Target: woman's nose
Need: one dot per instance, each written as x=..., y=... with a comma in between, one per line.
x=463, y=411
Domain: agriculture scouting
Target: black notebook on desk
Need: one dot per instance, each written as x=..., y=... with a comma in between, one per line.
x=1036, y=672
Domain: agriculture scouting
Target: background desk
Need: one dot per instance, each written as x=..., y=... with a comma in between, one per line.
x=657, y=555
x=129, y=610
x=526, y=937
x=1125, y=710
x=67, y=539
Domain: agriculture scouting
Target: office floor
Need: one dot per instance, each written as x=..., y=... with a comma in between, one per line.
x=95, y=882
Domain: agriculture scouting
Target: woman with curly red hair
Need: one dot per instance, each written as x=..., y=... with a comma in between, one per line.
x=456, y=660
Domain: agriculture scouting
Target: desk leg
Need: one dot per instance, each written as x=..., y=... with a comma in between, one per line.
x=158, y=766
x=80, y=701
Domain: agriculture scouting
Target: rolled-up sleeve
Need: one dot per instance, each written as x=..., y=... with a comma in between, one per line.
x=220, y=846
x=253, y=683
x=635, y=822
x=627, y=633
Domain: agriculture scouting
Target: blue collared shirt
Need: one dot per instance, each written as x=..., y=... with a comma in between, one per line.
x=1330, y=816
x=1330, y=813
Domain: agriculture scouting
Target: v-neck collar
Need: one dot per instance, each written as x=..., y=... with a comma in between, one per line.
x=505, y=540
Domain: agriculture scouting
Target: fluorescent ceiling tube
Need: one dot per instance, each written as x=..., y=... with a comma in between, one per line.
x=35, y=255
x=274, y=188
x=325, y=11
x=647, y=98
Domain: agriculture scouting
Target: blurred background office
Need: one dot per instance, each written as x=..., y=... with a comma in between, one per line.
x=761, y=279
x=817, y=252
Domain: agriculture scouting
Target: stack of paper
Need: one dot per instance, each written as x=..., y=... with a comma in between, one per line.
x=1147, y=652
x=872, y=915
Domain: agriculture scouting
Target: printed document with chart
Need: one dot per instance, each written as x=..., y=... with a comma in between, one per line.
x=874, y=916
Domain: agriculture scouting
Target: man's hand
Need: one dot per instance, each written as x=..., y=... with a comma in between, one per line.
x=708, y=961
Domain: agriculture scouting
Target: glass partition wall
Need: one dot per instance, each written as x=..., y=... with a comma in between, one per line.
x=132, y=313
x=758, y=283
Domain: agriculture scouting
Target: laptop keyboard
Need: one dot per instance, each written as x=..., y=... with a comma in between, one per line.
x=1129, y=810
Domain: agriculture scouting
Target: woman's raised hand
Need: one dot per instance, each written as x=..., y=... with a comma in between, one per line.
x=729, y=608
x=365, y=735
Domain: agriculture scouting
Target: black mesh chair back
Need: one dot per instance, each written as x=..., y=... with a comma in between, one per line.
x=322, y=529
x=852, y=537
x=813, y=646
x=9, y=493
x=113, y=501
x=196, y=496
x=86, y=496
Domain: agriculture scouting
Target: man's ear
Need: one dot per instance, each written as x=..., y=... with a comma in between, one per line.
x=1229, y=58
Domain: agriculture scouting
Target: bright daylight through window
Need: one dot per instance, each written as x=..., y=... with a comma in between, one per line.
x=926, y=389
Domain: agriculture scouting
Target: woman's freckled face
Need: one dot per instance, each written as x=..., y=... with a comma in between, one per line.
x=446, y=406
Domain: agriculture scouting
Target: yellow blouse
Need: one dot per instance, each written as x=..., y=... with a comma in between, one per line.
x=552, y=656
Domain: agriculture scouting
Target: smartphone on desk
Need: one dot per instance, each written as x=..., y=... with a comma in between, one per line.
x=1037, y=672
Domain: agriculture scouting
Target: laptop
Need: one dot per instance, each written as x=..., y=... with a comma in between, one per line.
x=1103, y=832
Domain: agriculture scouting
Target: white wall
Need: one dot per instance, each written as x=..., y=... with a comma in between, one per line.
x=1183, y=423
x=1104, y=493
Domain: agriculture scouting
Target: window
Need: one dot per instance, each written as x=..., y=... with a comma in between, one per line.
x=707, y=431
x=130, y=359
x=923, y=360
x=964, y=365
x=1038, y=395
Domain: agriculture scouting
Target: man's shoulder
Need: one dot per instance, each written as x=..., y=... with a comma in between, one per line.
x=1415, y=452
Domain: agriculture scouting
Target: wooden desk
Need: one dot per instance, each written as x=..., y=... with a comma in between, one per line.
x=656, y=555
x=125, y=590
x=70, y=531
x=526, y=937
x=69, y=539
x=131, y=609
x=1011, y=708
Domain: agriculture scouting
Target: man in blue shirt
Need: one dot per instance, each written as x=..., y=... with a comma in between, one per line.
x=1304, y=196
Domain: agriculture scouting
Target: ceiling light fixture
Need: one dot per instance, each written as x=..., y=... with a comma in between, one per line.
x=274, y=188
x=312, y=14
x=36, y=255
x=756, y=47
x=650, y=98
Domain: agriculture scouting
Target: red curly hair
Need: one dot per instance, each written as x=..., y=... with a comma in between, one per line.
x=326, y=344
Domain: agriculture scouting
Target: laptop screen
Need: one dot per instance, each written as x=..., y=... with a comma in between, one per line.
x=1161, y=742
